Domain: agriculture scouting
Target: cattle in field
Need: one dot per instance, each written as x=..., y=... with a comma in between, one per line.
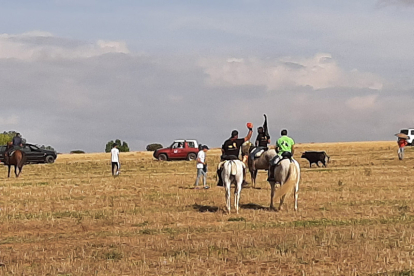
x=316, y=157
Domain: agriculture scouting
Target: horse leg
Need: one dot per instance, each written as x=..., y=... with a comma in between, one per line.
x=20, y=170
x=227, y=184
x=253, y=177
x=237, y=193
x=8, y=174
x=15, y=170
x=272, y=194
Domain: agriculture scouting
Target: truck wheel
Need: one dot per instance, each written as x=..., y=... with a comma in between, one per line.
x=191, y=156
x=163, y=157
x=49, y=159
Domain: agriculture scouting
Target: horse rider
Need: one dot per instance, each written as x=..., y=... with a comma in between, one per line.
x=231, y=149
x=262, y=140
x=17, y=143
x=285, y=149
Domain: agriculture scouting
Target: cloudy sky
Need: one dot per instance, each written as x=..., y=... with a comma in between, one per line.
x=75, y=74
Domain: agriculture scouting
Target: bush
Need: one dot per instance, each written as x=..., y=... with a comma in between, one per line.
x=154, y=147
x=77, y=152
x=123, y=147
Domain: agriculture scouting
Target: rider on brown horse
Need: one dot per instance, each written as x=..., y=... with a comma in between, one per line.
x=17, y=143
x=14, y=156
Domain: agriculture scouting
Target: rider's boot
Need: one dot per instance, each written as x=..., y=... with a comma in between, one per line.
x=271, y=173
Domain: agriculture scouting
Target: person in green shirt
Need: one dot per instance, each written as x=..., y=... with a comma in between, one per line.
x=285, y=149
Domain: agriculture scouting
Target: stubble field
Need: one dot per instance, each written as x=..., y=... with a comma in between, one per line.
x=72, y=217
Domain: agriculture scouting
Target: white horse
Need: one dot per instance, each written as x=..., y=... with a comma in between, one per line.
x=287, y=174
x=233, y=173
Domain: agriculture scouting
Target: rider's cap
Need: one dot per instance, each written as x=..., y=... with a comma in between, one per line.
x=234, y=133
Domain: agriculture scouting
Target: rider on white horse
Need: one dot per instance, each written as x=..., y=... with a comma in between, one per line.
x=285, y=149
x=231, y=149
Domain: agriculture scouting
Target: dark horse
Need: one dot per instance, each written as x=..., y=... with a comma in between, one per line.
x=18, y=159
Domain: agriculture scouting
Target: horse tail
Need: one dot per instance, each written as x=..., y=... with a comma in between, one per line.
x=290, y=183
x=23, y=158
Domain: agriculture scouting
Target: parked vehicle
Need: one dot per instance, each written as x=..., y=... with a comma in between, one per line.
x=34, y=154
x=410, y=133
x=179, y=149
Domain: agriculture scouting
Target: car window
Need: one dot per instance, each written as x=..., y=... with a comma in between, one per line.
x=412, y=132
x=191, y=144
x=405, y=131
x=26, y=148
x=33, y=148
x=176, y=145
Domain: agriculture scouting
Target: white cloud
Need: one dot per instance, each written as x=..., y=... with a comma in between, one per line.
x=396, y=2
x=319, y=72
x=363, y=102
x=38, y=45
x=9, y=121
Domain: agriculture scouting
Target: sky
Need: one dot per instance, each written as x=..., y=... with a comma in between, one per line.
x=76, y=74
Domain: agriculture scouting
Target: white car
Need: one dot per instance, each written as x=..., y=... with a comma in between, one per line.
x=410, y=133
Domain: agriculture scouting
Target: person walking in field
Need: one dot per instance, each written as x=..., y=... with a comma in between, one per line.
x=402, y=142
x=202, y=167
x=115, y=159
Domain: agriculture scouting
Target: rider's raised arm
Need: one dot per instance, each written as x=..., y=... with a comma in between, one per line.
x=249, y=134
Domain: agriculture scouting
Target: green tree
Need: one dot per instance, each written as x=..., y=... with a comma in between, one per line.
x=47, y=147
x=7, y=136
x=122, y=146
x=153, y=147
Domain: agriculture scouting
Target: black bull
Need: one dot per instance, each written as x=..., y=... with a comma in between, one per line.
x=316, y=157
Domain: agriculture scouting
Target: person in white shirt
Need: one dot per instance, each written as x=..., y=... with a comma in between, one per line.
x=115, y=159
x=202, y=167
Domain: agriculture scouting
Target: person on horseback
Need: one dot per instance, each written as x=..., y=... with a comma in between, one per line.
x=285, y=149
x=17, y=143
x=231, y=149
x=262, y=140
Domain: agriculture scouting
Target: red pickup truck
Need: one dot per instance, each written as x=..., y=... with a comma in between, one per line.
x=179, y=149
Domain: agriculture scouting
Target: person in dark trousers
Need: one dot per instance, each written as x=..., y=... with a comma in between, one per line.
x=115, y=159
x=231, y=149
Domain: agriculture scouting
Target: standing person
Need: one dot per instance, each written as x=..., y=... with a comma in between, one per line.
x=231, y=149
x=285, y=149
x=402, y=142
x=115, y=159
x=202, y=167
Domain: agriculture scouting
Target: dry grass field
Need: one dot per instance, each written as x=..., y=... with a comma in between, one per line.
x=355, y=217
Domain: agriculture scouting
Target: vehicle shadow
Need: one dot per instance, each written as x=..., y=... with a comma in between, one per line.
x=252, y=206
x=205, y=208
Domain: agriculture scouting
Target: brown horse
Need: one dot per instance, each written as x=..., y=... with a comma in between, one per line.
x=18, y=159
x=260, y=163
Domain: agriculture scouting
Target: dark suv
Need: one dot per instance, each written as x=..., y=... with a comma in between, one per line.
x=34, y=154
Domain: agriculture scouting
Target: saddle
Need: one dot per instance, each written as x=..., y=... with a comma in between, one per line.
x=258, y=154
x=285, y=155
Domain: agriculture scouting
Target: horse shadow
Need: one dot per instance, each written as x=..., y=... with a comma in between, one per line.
x=252, y=206
x=205, y=208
